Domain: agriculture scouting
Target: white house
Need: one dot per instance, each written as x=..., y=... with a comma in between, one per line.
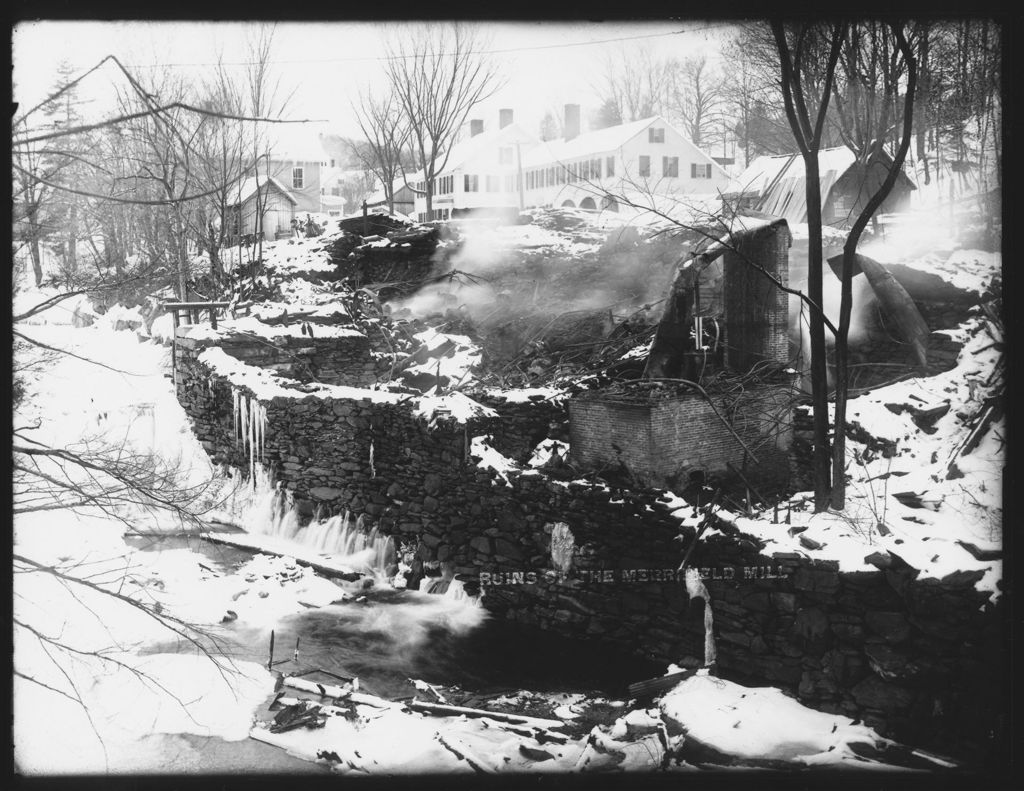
x=481, y=173
x=508, y=170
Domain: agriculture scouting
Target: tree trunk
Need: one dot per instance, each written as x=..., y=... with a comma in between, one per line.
x=819, y=372
x=37, y=262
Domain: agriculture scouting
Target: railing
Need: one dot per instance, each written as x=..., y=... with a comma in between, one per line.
x=193, y=311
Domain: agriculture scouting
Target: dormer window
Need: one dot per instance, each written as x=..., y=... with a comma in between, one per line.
x=505, y=155
x=655, y=134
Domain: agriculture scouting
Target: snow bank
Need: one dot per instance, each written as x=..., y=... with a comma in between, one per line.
x=761, y=723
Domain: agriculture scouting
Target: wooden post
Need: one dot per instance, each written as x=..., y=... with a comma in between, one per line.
x=366, y=222
x=270, y=659
x=213, y=317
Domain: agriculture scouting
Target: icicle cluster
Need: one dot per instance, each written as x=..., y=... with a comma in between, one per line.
x=696, y=590
x=250, y=422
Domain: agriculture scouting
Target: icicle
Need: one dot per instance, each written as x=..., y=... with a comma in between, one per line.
x=373, y=471
x=696, y=590
x=235, y=405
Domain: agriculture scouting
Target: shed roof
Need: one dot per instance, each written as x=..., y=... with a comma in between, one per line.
x=246, y=188
x=780, y=181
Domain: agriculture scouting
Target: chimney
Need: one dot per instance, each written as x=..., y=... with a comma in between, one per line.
x=476, y=126
x=504, y=118
x=572, y=121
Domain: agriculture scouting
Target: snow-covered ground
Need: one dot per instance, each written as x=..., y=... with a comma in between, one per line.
x=95, y=678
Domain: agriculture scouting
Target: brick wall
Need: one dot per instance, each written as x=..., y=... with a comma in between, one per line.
x=756, y=310
x=664, y=440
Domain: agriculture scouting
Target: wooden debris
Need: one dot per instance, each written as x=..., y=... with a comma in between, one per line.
x=303, y=714
x=324, y=690
x=981, y=554
x=447, y=710
x=459, y=749
x=652, y=686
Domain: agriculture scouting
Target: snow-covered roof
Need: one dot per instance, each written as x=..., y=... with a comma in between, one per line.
x=596, y=142
x=780, y=183
x=247, y=187
x=378, y=196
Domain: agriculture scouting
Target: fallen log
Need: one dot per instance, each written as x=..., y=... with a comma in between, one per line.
x=325, y=690
x=447, y=710
x=653, y=686
x=320, y=568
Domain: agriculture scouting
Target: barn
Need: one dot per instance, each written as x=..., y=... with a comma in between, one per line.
x=276, y=202
x=776, y=185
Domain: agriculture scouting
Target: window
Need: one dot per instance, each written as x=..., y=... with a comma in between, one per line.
x=655, y=135
x=585, y=170
x=670, y=167
x=595, y=168
x=700, y=171
x=839, y=204
x=645, y=165
x=297, y=178
x=336, y=191
x=510, y=183
x=609, y=166
x=332, y=163
x=493, y=183
x=470, y=183
x=505, y=155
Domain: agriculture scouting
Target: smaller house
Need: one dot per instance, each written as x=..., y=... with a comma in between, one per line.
x=267, y=194
x=777, y=185
x=405, y=198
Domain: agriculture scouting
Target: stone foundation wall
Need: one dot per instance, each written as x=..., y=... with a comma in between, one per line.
x=662, y=441
x=917, y=659
x=350, y=359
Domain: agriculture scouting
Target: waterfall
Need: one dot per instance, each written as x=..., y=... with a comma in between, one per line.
x=446, y=587
x=696, y=590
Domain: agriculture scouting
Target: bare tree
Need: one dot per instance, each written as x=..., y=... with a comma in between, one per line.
x=696, y=97
x=438, y=75
x=873, y=60
x=808, y=55
x=635, y=84
x=387, y=131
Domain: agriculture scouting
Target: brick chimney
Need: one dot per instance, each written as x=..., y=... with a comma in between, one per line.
x=476, y=126
x=504, y=118
x=572, y=121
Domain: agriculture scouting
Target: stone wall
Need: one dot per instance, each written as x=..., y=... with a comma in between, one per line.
x=346, y=359
x=522, y=424
x=918, y=659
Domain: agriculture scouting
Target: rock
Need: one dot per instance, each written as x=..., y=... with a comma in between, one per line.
x=893, y=627
x=325, y=493
x=873, y=693
x=811, y=623
x=431, y=483
x=481, y=544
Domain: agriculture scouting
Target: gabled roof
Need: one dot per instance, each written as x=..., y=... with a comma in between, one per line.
x=470, y=147
x=378, y=197
x=246, y=188
x=779, y=182
x=598, y=142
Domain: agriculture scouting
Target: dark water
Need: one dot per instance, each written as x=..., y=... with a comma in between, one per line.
x=396, y=635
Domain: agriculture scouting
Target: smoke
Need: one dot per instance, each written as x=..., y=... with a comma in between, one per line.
x=531, y=272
